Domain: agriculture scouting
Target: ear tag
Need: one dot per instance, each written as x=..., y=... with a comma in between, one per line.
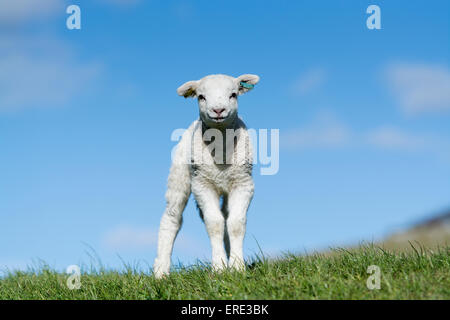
x=246, y=85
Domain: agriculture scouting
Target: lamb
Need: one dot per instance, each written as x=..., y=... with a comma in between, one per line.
x=212, y=171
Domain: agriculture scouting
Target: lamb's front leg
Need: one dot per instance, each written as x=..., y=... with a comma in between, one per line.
x=238, y=202
x=208, y=202
x=177, y=195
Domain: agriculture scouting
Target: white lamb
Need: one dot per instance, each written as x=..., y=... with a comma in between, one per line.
x=213, y=160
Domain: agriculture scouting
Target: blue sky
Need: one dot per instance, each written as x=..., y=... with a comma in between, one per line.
x=86, y=117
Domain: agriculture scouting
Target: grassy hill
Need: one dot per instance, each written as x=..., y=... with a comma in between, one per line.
x=416, y=274
x=414, y=264
x=431, y=233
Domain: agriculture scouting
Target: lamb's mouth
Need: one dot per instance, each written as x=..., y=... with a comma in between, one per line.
x=217, y=119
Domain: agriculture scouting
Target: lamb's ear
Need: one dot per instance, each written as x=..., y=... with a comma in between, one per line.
x=188, y=89
x=247, y=82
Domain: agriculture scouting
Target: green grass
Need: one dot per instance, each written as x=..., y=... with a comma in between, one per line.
x=340, y=274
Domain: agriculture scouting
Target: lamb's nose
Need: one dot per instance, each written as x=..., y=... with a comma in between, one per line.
x=219, y=111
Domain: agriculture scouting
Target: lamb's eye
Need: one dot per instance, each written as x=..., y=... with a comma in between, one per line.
x=201, y=97
x=233, y=95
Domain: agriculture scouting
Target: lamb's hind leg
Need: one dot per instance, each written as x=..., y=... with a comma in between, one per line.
x=177, y=195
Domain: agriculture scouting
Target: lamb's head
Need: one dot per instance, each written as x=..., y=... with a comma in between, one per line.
x=217, y=96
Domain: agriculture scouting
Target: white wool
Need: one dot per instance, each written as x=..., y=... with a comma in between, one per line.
x=211, y=174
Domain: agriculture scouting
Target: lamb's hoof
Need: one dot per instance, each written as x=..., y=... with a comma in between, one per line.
x=161, y=269
x=219, y=267
x=160, y=275
x=237, y=265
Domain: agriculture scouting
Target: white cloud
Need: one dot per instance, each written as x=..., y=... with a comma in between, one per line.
x=40, y=71
x=420, y=88
x=396, y=139
x=325, y=131
x=37, y=69
x=20, y=11
x=309, y=81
